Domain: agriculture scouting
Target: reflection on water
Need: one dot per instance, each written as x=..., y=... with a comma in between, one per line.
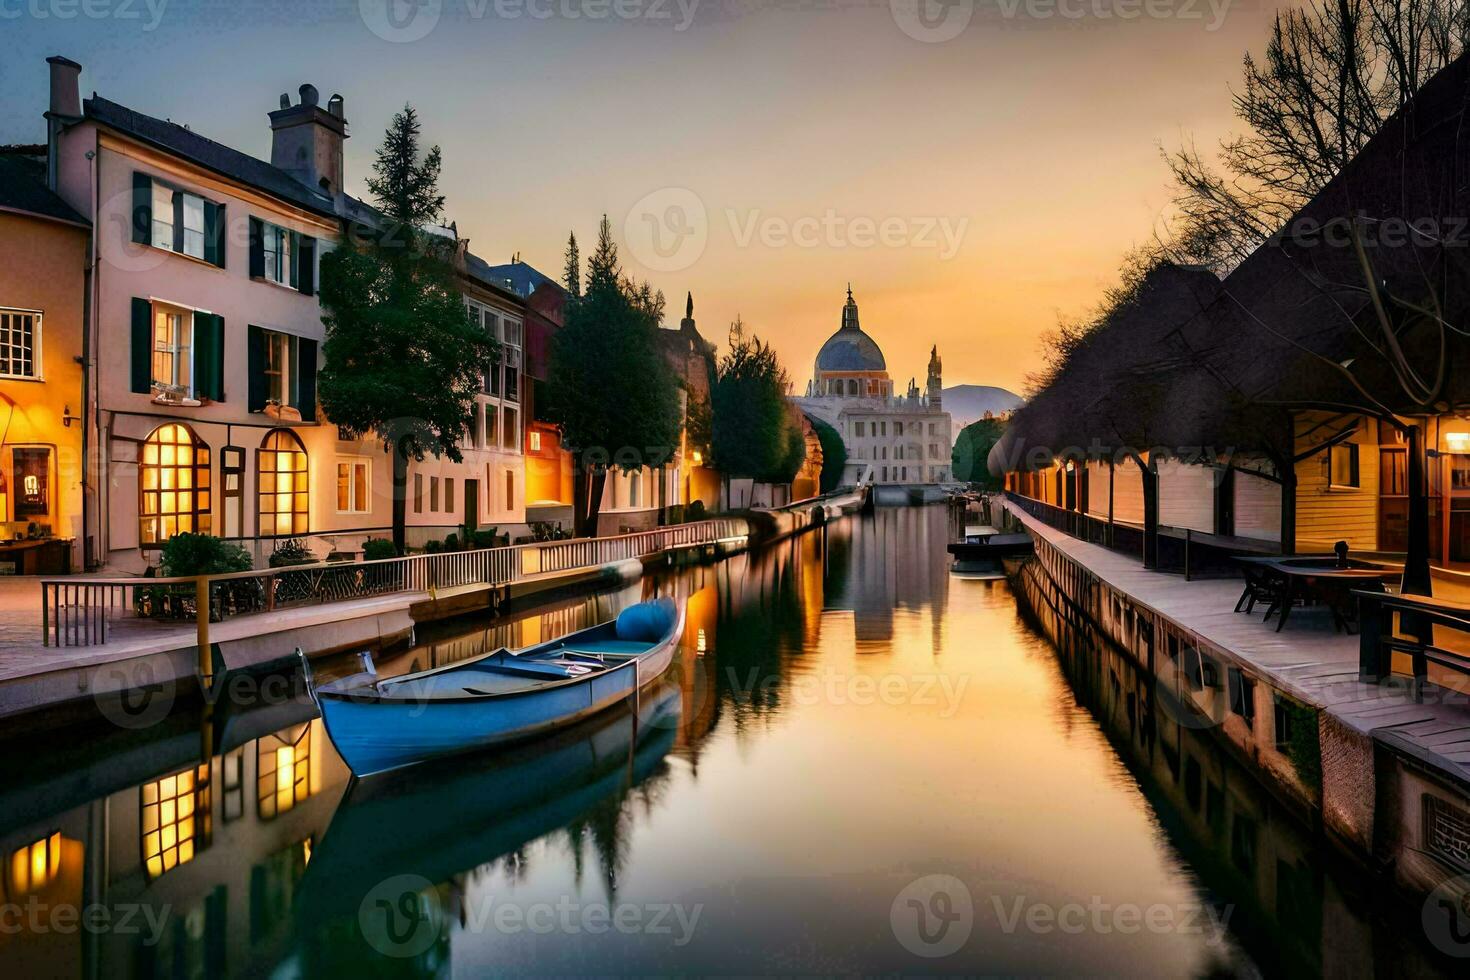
x=843, y=722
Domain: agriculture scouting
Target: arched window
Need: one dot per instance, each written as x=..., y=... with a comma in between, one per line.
x=283, y=484
x=852, y=386
x=173, y=485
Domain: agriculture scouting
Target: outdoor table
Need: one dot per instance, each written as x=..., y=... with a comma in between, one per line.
x=1285, y=580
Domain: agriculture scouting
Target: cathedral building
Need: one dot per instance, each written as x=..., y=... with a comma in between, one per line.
x=902, y=439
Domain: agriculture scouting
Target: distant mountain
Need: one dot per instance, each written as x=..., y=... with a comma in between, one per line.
x=967, y=403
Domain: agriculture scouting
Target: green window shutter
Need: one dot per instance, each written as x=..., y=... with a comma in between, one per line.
x=295, y=259
x=142, y=208
x=142, y=346
x=179, y=222
x=257, y=249
x=306, y=378
x=255, y=368
x=214, y=233
x=209, y=356
x=306, y=259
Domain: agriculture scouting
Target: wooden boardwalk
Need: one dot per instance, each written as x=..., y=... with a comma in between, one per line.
x=1307, y=658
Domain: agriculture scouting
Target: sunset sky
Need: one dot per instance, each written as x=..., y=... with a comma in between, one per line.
x=971, y=189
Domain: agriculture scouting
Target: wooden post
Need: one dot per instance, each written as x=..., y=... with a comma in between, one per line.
x=201, y=622
x=1375, y=627
x=1110, y=502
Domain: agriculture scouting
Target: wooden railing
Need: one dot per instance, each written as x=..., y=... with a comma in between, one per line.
x=1418, y=619
x=81, y=611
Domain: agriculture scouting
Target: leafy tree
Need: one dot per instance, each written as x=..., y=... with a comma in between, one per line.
x=972, y=449
x=1333, y=72
x=572, y=276
x=751, y=430
x=397, y=331
x=834, y=455
x=610, y=391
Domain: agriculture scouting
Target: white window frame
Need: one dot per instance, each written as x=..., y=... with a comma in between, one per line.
x=353, y=463
x=275, y=243
x=181, y=349
x=289, y=394
x=37, y=321
x=161, y=235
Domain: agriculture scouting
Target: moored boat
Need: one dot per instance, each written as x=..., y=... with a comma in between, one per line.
x=378, y=725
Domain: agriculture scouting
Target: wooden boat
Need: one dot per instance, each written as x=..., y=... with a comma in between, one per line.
x=377, y=725
x=516, y=796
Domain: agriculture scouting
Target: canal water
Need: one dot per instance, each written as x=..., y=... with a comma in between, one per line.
x=857, y=764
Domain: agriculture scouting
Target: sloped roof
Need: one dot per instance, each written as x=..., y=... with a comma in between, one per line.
x=205, y=152
x=1277, y=334
x=23, y=188
x=523, y=277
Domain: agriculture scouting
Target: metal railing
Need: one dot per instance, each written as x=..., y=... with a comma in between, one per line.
x=81, y=611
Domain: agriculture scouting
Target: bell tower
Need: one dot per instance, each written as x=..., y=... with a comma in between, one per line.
x=936, y=383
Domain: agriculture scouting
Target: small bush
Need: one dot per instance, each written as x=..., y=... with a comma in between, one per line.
x=189, y=554
x=292, y=551
x=451, y=543
x=695, y=511
x=485, y=537
x=376, y=549
x=433, y=547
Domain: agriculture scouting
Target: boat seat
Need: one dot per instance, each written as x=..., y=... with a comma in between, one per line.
x=594, y=648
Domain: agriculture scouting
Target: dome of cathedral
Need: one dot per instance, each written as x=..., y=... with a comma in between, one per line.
x=849, y=349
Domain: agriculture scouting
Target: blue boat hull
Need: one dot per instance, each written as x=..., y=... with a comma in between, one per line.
x=376, y=734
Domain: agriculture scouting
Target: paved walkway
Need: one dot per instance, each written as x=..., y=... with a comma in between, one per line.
x=1307, y=658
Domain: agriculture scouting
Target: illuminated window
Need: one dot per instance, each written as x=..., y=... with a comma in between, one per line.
x=282, y=772
x=173, y=485
x=283, y=484
x=535, y=442
x=352, y=486
x=173, y=334
x=175, y=819
x=34, y=866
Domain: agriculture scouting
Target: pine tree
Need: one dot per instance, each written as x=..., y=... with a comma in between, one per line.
x=572, y=277
x=397, y=330
x=609, y=388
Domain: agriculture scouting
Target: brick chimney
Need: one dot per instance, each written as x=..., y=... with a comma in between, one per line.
x=306, y=140
x=65, y=107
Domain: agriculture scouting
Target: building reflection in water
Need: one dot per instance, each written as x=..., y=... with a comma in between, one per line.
x=259, y=858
